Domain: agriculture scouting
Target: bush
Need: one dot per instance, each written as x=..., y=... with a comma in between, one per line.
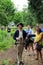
x=13, y=29
x=5, y=62
x=5, y=40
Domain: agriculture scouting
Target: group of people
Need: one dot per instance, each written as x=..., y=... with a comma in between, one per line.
x=28, y=39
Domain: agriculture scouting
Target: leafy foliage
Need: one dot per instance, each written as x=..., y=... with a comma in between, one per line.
x=5, y=62
x=18, y=17
x=28, y=17
x=5, y=40
x=7, y=11
x=36, y=6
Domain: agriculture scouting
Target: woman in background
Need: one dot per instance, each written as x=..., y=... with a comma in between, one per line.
x=38, y=40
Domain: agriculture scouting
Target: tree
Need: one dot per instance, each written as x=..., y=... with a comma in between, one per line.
x=28, y=17
x=3, y=19
x=7, y=12
x=18, y=17
x=36, y=6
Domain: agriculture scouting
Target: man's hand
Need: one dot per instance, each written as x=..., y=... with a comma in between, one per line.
x=26, y=37
x=19, y=39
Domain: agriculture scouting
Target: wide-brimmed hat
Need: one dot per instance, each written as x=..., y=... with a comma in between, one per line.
x=20, y=24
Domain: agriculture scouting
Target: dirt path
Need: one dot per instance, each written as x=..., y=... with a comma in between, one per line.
x=30, y=60
x=12, y=55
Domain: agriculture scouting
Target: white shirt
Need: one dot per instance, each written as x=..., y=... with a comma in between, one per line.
x=20, y=34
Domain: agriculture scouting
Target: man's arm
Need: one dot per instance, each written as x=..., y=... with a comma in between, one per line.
x=15, y=35
x=25, y=34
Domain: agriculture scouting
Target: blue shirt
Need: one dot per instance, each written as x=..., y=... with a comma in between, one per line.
x=29, y=31
x=41, y=29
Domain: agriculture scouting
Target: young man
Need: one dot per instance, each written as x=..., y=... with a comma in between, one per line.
x=29, y=40
x=20, y=36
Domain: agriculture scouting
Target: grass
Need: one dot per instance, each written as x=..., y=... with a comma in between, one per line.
x=7, y=62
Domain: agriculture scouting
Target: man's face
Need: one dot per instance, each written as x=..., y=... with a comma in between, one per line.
x=28, y=27
x=20, y=27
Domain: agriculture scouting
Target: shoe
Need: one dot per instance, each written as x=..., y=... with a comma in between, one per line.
x=21, y=63
x=29, y=55
x=18, y=63
x=36, y=59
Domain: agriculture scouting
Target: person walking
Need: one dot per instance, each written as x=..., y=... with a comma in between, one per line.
x=29, y=40
x=20, y=36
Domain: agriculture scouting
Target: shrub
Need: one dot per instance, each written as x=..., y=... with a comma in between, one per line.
x=5, y=62
x=5, y=40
